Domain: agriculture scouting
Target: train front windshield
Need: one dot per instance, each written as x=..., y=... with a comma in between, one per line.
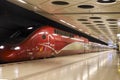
x=19, y=36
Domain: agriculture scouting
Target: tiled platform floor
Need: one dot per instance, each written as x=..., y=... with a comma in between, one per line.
x=91, y=66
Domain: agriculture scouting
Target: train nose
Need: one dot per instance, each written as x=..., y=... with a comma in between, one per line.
x=7, y=56
x=2, y=58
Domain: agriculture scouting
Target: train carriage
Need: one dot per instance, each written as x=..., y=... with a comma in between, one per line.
x=43, y=42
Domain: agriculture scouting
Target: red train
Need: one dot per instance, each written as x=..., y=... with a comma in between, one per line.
x=45, y=42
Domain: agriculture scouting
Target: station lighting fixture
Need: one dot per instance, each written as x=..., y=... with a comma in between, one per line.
x=106, y=1
x=22, y=1
x=86, y=6
x=118, y=23
x=111, y=19
x=60, y=3
x=95, y=17
x=30, y=28
x=86, y=23
x=2, y=47
x=86, y=32
x=82, y=19
x=36, y=8
x=118, y=35
x=68, y=23
x=80, y=29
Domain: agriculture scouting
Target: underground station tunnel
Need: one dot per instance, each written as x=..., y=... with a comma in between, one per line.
x=59, y=40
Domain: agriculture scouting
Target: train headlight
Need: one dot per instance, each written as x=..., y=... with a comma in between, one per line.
x=17, y=48
x=2, y=47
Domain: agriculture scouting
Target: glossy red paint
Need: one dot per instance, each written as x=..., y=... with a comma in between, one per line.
x=43, y=42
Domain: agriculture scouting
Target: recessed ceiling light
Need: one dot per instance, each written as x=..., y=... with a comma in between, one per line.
x=90, y=25
x=118, y=35
x=68, y=23
x=95, y=17
x=106, y=1
x=100, y=24
x=60, y=3
x=86, y=6
x=80, y=29
x=86, y=32
x=98, y=21
x=101, y=27
x=112, y=23
x=111, y=19
x=86, y=23
x=82, y=20
x=36, y=8
x=22, y=1
x=118, y=23
x=113, y=28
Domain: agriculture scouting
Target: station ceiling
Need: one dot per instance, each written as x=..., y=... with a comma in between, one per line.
x=87, y=16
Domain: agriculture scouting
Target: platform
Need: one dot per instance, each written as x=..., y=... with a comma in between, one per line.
x=91, y=66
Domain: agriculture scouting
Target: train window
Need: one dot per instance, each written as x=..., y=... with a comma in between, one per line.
x=66, y=34
x=63, y=33
x=71, y=35
x=43, y=36
x=58, y=32
x=55, y=31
